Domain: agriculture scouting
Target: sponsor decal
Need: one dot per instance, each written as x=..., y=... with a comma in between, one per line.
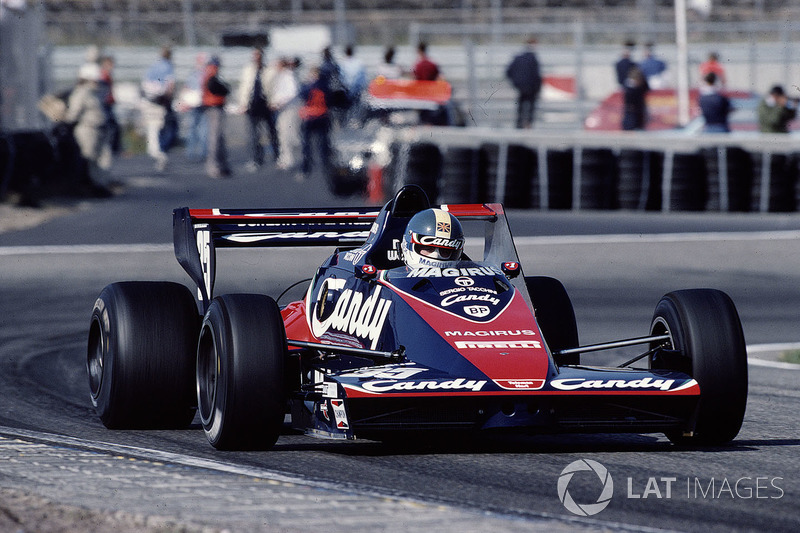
x=386, y=372
x=491, y=333
x=466, y=289
x=429, y=240
x=478, y=311
x=355, y=315
x=369, y=270
x=582, y=383
x=329, y=390
x=339, y=414
x=323, y=408
x=436, y=272
x=317, y=235
x=520, y=384
x=354, y=256
x=464, y=281
x=460, y=298
x=485, y=345
x=452, y=384
x=393, y=254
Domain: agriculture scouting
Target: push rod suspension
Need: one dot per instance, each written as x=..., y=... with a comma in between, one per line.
x=611, y=345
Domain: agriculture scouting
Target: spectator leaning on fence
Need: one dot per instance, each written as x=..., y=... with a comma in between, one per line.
x=776, y=110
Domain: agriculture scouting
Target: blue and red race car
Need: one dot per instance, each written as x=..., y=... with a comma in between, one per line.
x=379, y=350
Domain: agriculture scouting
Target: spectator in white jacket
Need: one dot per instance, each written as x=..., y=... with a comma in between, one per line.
x=285, y=105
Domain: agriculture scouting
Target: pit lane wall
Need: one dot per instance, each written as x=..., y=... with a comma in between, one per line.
x=589, y=170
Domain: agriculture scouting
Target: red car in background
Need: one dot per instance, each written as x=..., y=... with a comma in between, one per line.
x=662, y=110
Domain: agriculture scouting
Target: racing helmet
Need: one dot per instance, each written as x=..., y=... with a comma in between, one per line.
x=434, y=238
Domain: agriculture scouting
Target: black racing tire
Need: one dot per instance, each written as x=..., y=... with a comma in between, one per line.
x=141, y=355
x=555, y=316
x=241, y=356
x=704, y=327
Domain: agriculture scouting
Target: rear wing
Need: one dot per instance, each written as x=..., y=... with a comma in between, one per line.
x=197, y=233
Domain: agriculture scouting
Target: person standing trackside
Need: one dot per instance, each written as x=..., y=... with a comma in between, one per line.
x=254, y=90
x=525, y=76
x=712, y=64
x=634, y=113
x=625, y=63
x=215, y=92
x=316, y=123
x=775, y=111
x=158, y=87
x=425, y=69
x=714, y=105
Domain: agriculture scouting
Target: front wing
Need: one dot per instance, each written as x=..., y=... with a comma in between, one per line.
x=379, y=401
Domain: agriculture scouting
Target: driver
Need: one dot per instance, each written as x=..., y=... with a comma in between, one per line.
x=434, y=238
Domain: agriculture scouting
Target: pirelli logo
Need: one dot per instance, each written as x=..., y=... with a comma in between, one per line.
x=490, y=345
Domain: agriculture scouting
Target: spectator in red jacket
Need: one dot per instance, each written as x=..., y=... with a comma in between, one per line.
x=425, y=69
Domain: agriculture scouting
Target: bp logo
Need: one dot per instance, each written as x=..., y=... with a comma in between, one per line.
x=585, y=509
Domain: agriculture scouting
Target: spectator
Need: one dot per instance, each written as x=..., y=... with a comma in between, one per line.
x=388, y=69
x=775, y=111
x=330, y=81
x=714, y=105
x=254, y=89
x=712, y=64
x=354, y=79
x=191, y=101
x=425, y=69
x=215, y=93
x=158, y=88
x=285, y=106
x=634, y=114
x=85, y=111
x=105, y=91
x=525, y=76
x=653, y=68
x=316, y=123
x=624, y=64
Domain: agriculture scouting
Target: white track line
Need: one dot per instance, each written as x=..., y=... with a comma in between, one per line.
x=622, y=238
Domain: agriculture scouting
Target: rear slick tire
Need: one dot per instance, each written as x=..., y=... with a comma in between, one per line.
x=704, y=327
x=141, y=353
x=241, y=357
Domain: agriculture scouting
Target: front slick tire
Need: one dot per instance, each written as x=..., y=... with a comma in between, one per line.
x=240, y=372
x=141, y=353
x=704, y=327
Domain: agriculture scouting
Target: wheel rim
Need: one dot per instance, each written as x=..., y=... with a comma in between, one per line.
x=207, y=374
x=660, y=327
x=95, y=362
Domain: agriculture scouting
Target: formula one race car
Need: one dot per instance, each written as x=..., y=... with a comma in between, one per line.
x=378, y=349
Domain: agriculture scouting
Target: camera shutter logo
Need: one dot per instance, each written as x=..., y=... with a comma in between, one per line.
x=585, y=509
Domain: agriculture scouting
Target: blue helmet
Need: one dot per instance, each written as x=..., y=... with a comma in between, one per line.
x=433, y=237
